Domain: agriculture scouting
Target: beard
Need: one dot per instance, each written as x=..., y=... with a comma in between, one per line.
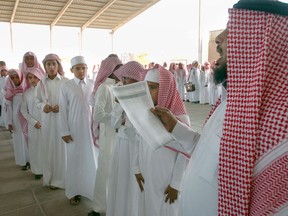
x=220, y=73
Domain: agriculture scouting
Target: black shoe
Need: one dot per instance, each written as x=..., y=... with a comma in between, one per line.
x=26, y=167
x=93, y=213
x=38, y=177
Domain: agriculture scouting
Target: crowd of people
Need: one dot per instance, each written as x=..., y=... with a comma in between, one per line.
x=75, y=134
x=206, y=91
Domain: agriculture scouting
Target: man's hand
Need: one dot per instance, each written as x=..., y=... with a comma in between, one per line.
x=10, y=128
x=171, y=194
x=47, y=108
x=166, y=116
x=55, y=109
x=67, y=138
x=37, y=125
x=140, y=181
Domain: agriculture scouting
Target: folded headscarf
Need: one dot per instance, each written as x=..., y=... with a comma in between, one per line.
x=253, y=161
x=168, y=95
x=36, y=63
x=107, y=67
x=52, y=56
x=35, y=71
x=133, y=70
x=10, y=89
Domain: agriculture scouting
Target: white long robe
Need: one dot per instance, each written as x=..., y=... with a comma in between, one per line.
x=2, y=102
x=104, y=102
x=32, y=114
x=194, y=77
x=180, y=81
x=20, y=147
x=204, y=91
x=75, y=120
x=212, y=88
x=200, y=185
x=123, y=188
x=54, y=164
x=159, y=168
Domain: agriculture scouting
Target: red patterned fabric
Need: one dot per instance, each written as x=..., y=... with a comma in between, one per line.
x=256, y=118
x=39, y=74
x=106, y=69
x=35, y=71
x=168, y=95
x=52, y=56
x=217, y=103
x=10, y=91
x=36, y=63
x=132, y=70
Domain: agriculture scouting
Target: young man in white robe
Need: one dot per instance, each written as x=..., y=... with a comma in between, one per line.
x=103, y=101
x=204, y=91
x=239, y=164
x=3, y=77
x=13, y=92
x=181, y=80
x=159, y=172
x=123, y=189
x=47, y=100
x=194, y=77
x=75, y=120
x=33, y=117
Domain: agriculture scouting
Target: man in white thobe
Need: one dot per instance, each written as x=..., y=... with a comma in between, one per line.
x=75, y=129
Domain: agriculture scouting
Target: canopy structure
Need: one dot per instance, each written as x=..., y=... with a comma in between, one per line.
x=101, y=14
x=98, y=14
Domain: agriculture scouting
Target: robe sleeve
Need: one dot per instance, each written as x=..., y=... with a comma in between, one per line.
x=9, y=112
x=178, y=171
x=39, y=98
x=136, y=155
x=186, y=137
x=117, y=116
x=25, y=111
x=100, y=116
x=63, y=112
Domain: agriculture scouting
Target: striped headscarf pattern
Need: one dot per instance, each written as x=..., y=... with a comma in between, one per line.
x=133, y=70
x=168, y=95
x=53, y=56
x=35, y=71
x=107, y=67
x=256, y=120
x=36, y=63
x=10, y=91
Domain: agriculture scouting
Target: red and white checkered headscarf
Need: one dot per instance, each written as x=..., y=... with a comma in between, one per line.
x=10, y=89
x=107, y=67
x=52, y=56
x=36, y=63
x=256, y=119
x=133, y=70
x=35, y=71
x=168, y=95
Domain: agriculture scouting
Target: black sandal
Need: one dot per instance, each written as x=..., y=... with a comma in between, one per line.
x=75, y=200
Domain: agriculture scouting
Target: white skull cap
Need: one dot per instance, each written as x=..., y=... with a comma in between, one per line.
x=77, y=60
